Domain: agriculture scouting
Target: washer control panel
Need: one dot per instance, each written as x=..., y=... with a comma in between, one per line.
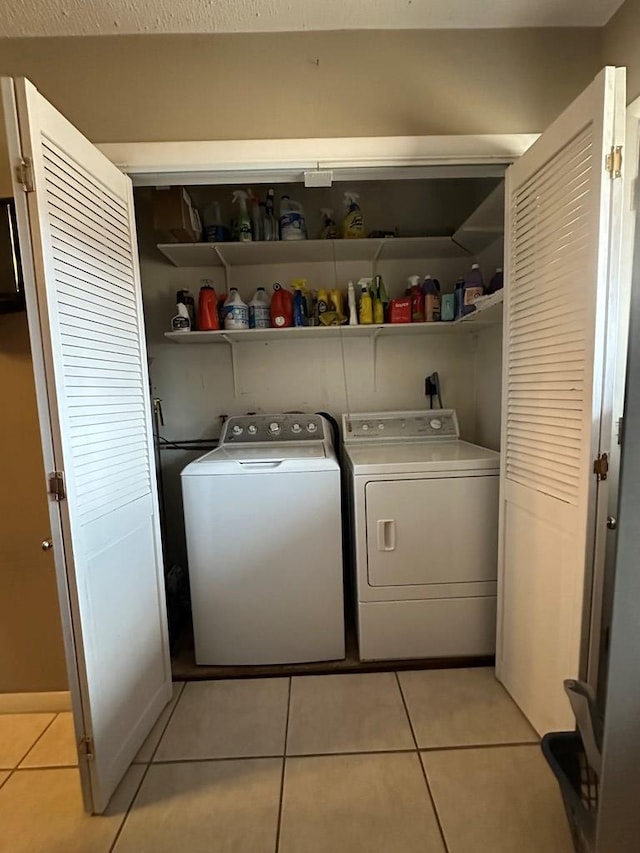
x=259, y=429
x=396, y=426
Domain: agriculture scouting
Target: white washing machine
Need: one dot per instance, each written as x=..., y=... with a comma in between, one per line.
x=424, y=530
x=263, y=526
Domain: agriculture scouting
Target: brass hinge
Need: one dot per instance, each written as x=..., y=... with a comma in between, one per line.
x=86, y=749
x=57, y=488
x=601, y=466
x=613, y=162
x=24, y=174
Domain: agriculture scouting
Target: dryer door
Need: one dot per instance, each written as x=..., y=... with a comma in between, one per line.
x=432, y=531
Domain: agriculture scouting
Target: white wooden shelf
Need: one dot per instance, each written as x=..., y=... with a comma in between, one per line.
x=310, y=251
x=488, y=312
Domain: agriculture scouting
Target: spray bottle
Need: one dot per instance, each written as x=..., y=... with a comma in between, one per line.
x=351, y=299
x=244, y=222
x=353, y=222
x=366, y=302
x=329, y=227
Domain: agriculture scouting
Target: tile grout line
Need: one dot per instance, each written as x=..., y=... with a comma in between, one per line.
x=284, y=763
x=146, y=766
x=422, y=767
x=462, y=746
x=37, y=741
x=270, y=755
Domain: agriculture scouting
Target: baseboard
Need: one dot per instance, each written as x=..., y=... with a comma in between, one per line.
x=27, y=703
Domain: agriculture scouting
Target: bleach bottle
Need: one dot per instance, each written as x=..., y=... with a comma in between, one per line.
x=236, y=312
x=259, y=316
x=292, y=224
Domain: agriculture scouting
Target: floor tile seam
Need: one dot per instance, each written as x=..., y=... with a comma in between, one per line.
x=466, y=746
x=282, y=771
x=37, y=740
x=145, y=765
x=30, y=768
x=422, y=768
x=272, y=756
x=9, y=775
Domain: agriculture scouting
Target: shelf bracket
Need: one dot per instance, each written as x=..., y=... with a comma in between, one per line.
x=227, y=267
x=234, y=363
x=374, y=356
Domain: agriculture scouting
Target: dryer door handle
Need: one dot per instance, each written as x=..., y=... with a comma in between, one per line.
x=386, y=534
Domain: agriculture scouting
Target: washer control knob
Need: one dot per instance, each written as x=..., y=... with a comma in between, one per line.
x=312, y=427
x=274, y=428
x=252, y=429
x=380, y=426
x=435, y=423
x=296, y=428
x=237, y=430
x=365, y=427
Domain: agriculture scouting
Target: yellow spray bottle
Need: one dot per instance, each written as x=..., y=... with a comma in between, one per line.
x=366, y=302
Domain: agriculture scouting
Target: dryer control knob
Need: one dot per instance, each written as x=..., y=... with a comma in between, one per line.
x=237, y=430
x=365, y=427
x=312, y=427
x=436, y=423
x=274, y=428
x=252, y=429
x=296, y=428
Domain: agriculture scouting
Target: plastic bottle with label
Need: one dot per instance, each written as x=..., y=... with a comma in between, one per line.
x=292, y=224
x=366, y=302
x=459, y=297
x=208, y=309
x=431, y=291
x=497, y=281
x=281, y=308
x=353, y=311
x=353, y=222
x=473, y=288
x=236, y=312
x=244, y=222
x=414, y=290
x=259, y=316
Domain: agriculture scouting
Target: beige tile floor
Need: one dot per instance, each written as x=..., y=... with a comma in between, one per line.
x=430, y=761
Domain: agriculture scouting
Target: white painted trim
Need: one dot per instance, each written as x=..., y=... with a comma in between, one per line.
x=166, y=160
x=29, y=703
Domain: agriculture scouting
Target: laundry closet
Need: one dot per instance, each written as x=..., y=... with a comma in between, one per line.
x=536, y=382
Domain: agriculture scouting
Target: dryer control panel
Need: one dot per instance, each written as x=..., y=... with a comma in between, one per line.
x=400, y=426
x=261, y=429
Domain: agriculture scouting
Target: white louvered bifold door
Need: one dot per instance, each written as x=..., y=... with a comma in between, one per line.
x=561, y=224
x=77, y=232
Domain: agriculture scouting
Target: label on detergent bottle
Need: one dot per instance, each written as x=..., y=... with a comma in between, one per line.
x=471, y=294
x=291, y=225
x=237, y=317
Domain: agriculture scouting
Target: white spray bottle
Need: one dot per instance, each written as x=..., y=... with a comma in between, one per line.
x=351, y=299
x=244, y=221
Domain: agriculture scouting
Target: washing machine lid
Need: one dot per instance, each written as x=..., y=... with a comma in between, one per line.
x=262, y=459
x=421, y=457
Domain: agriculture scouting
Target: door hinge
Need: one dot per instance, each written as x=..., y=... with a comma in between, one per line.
x=613, y=162
x=620, y=429
x=601, y=466
x=86, y=749
x=57, y=488
x=24, y=174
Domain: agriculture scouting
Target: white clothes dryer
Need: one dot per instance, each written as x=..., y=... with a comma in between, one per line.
x=424, y=531
x=264, y=541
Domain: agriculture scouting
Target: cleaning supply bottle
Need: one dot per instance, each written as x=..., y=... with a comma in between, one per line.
x=329, y=227
x=414, y=291
x=256, y=217
x=292, y=224
x=244, y=222
x=281, y=308
x=366, y=302
x=185, y=298
x=459, y=297
x=384, y=297
x=270, y=225
x=214, y=230
x=336, y=301
x=378, y=307
x=353, y=222
x=181, y=322
x=351, y=299
x=448, y=307
x=497, y=281
x=208, y=309
x=299, y=308
x=236, y=311
x=431, y=291
x=323, y=301
x=473, y=288
x=259, y=317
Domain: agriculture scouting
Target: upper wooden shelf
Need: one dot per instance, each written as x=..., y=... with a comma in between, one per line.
x=310, y=251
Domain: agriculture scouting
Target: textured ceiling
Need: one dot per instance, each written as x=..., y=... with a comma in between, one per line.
x=111, y=17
